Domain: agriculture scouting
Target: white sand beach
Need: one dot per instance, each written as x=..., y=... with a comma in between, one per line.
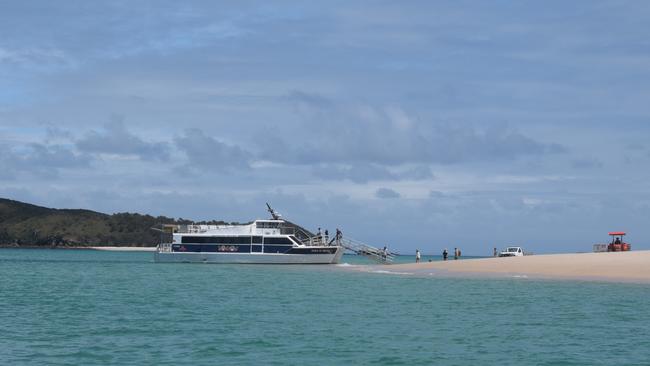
x=125, y=249
x=633, y=266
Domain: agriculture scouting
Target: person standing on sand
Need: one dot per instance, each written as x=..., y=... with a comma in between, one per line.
x=495, y=252
x=417, y=256
x=444, y=254
x=455, y=253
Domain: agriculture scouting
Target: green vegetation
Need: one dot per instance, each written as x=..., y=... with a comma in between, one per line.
x=22, y=224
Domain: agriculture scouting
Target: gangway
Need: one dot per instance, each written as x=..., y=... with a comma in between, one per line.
x=370, y=252
x=308, y=238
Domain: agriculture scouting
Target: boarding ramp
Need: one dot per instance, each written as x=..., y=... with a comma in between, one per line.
x=370, y=252
x=366, y=250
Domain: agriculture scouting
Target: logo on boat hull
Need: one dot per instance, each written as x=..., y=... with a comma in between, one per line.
x=227, y=248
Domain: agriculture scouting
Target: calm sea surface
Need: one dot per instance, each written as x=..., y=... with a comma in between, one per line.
x=82, y=307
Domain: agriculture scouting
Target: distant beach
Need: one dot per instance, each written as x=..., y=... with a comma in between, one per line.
x=105, y=248
x=125, y=249
x=631, y=266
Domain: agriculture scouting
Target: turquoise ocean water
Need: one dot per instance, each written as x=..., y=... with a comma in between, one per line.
x=82, y=307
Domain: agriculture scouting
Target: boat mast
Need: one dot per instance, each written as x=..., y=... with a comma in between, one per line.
x=274, y=214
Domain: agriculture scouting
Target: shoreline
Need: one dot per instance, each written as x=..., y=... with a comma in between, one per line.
x=125, y=249
x=620, y=267
x=631, y=267
x=102, y=248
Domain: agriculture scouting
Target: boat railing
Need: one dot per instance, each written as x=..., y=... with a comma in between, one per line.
x=356, y=246
x=196, y=229
x=378, y=255
x=318, y=240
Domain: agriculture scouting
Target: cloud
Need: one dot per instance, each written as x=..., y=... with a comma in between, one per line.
x=357, y=173
x=55, y=156
x=54, y=133
x=39, y=159
x=417, y=172
x=303, y=100
x=36, y=58
x=586, y=163
x=364, y=173
x=115, y=139
x=386, y=193
x=205, y=151
x=170, y=38
x=200, y=36
x=352, y=133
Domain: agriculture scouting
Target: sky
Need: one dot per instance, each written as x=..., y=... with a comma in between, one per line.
x=418, y=125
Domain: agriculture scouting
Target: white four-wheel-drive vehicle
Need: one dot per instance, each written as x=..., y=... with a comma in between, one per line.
x=512, y=252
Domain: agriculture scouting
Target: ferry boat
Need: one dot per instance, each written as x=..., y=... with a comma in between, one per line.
x=274, y=241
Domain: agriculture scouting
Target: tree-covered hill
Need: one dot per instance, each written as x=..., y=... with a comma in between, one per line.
x=23, y=224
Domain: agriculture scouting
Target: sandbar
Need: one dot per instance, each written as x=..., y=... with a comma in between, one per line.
x=125, y=249
x=633, y=266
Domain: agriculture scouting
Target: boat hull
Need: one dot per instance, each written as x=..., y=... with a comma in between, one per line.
x=249, y=258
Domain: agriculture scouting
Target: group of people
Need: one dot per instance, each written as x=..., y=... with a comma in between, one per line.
x=325, y=238
x=445, y=254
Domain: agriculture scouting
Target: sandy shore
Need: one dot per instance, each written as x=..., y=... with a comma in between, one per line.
x=631, y=266
x=125, y=249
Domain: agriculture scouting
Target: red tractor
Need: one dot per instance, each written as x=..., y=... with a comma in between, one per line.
x=617, y=244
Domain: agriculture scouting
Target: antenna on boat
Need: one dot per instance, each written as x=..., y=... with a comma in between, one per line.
x=274, y=214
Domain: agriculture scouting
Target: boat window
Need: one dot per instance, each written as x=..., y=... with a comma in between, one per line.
x=267, y=225
x=217, y=239
x=276, y=248
x=287, y=231
x=193, y=239
x=281, y=240
x=257, y=240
